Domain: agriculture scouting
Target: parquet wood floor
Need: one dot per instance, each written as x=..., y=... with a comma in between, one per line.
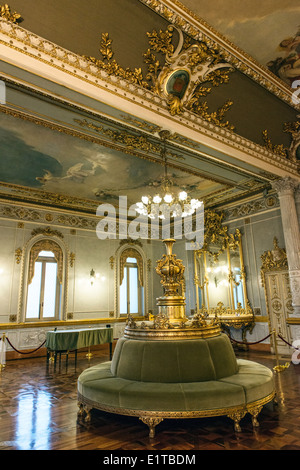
x=38, y=411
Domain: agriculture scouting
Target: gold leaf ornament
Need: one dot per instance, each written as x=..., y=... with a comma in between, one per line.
x=5, y=12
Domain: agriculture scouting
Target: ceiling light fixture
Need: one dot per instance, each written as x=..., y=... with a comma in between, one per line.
x=167, y=204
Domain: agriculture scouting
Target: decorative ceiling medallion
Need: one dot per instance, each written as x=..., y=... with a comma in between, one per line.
x=188, y=74
x=177, y=14
x=184, y=73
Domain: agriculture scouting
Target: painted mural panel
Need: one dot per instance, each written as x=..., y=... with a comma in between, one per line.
x=40, y=158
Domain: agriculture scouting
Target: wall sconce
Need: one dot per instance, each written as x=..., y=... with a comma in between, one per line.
x=92, y=276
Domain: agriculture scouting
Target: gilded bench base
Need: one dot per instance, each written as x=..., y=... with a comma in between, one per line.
x=153, y=418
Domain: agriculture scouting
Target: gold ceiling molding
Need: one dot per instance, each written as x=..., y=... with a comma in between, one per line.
x=140, y=142
x=33, y=213
x=129, y=140
x=179, y=15
x=182, y=81
x=146, y=126
x=251, y=206
x=29, y=44
x=6, y=13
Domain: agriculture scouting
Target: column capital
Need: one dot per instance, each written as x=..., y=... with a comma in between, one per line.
x=286, y=185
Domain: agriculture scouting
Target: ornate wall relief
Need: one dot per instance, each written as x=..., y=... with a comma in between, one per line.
x=180, y=80
x=47, y=245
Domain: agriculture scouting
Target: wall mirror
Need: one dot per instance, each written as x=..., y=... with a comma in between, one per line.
x=220, y=278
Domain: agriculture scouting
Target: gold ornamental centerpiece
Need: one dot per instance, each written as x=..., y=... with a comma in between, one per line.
x=171, y=321
x=171, y=271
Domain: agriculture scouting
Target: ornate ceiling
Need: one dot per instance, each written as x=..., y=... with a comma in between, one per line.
x=266, y=30
x=89, y=89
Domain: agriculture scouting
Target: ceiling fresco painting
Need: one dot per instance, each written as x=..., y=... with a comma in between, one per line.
x=59, y=140
x=287, y=65
x=268, y=30
x=39, y=158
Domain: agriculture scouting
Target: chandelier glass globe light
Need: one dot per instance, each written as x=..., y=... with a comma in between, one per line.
x=167, y=204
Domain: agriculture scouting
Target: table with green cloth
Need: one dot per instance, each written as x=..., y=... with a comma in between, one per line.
x=65, y=341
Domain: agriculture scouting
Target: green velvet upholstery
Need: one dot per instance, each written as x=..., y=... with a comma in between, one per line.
x=256, y=379
x=175, y=361
x=171, y=376
x=98, y=385
x=170, y=379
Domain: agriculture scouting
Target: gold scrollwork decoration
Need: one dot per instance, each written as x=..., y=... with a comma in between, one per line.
x=125, y=138
x=112, y=67
x=5, y=12
x=72, y=259
x=132, y=253
x=161, y=321
x=18, y=255
x=273, y=260
x=216, y=234
x=111, y=262
x=180, y=79
x=47, y=231
x=171, y=270
x=278, y=149
x=219, y=264
x=47, y=245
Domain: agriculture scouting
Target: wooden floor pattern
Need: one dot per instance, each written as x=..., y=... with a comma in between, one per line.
x=38, y=411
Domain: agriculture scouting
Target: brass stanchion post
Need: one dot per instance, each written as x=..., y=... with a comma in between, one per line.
x=2, y=352
x=89, y=355
x=278, y=367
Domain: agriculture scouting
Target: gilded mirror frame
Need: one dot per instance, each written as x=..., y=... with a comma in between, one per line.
x=219, y=243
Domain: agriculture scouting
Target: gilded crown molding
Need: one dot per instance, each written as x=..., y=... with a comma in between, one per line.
x=31, y=52
x=37, y=215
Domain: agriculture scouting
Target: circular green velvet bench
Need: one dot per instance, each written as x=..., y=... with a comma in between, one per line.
x=188, y=378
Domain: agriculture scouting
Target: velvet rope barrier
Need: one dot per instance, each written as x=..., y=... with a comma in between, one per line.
x=291, y=345
x=263, y=339
x=245, y=342
x=22, y=352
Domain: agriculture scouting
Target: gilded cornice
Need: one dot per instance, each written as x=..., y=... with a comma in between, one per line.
x=69, y=64
x=177, y=14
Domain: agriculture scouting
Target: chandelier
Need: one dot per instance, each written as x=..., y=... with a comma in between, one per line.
x=167, y=203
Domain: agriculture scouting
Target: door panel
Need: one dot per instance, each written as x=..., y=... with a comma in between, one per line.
x=279, y=303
